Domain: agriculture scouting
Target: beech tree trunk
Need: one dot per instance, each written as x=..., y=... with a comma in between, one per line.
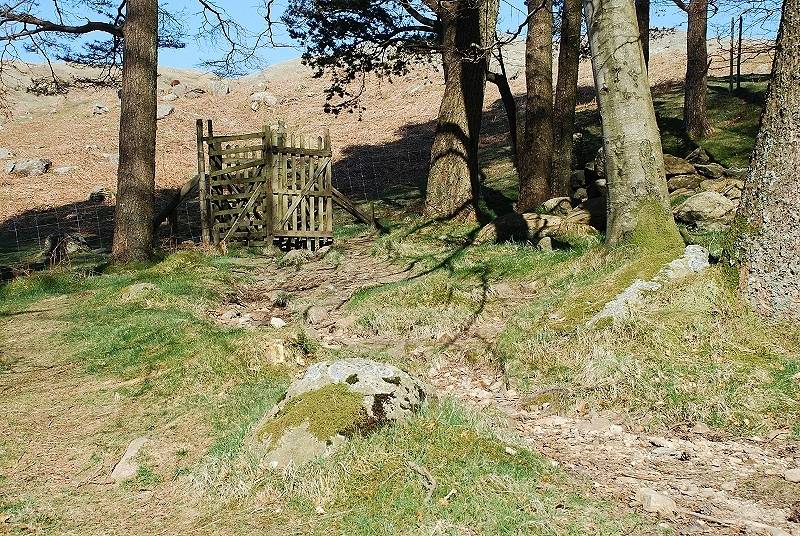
x=566, y=97
x=638, y=203
x=643, y=21
x=453, y=183
x=536, y=153
x=510, y=107
x=768, y=220
x=133, y=218
x=695, y=112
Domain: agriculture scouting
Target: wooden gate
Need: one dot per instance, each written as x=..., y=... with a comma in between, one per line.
x=263, y=187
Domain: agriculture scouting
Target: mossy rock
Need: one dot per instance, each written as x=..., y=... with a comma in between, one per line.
x=333, y=401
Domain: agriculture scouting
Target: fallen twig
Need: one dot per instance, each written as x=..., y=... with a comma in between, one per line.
x=429, y=483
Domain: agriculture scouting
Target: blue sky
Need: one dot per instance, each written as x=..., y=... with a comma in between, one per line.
x=250, y=13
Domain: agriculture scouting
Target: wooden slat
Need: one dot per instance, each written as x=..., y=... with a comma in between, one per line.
x=235, y=150
x=232, y=137
x=247, y=208
x=239, y=167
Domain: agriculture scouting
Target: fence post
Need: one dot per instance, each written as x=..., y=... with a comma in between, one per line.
x=215, y=164
x=266, y=151
x=730, y=75
x=202, y=184
x=739, y=58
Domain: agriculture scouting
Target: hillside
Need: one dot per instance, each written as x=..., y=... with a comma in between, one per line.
x=167, y=397
x=397, y=123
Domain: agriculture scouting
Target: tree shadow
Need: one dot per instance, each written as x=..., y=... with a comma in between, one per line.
x=24, y=236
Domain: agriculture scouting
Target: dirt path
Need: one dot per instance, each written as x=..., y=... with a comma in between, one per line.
x=719, y=484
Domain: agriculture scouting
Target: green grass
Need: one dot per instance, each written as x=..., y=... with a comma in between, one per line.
x=734, y=117
x=378, y=485
x=692, y=353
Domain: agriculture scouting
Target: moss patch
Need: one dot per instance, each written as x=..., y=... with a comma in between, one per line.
x=655, y=229
x=334, y=409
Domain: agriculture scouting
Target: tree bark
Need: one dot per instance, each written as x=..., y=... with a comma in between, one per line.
x=133, y=219
x=768, y=220
x=453, y=179
x=643, y=21
x=566, y=97
x=536, y=153
x=695, y=112
x=638, y=203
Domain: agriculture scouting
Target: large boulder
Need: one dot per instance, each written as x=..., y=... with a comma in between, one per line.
x=698, y=156
x=220, y=87
x=730, y=188
x=30, y=167
x=559, y=206
x=163, y=110
x=674, y=165
x=712, y=170
x=707, y=211
x=332, y=401
x=684, y=182
x=262, y=97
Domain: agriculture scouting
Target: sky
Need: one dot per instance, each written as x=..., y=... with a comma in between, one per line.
x=251, y=14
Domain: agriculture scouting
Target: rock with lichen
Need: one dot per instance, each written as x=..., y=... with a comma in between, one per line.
x=332, y=401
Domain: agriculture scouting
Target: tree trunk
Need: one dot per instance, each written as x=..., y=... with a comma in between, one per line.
x=643, y=20
x=566, y=97
x=453, y=183
x=510, y=106
x=638, y=203
x=695, y=112
x=536, y=153
x=133, y=219
x=768, y=221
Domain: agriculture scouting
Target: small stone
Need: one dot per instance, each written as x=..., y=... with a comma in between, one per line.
x=545, y=244
x=5, y=154
x=194, y=93
x=127, y=466
x=62, y=170
x=317, y=315
x=701, y=428
x=138, y=291
x=30, y=167
x=219, y=88
x=698, y=156
x=100, y=194
x=712, y=170
x=169, y=97
x=264, y=97
x=99, y=109
x=276, y=322
x=163, y=110
x=230, y=314
x=677, y=166
x=729, y=486
x=111, y=157
x=792, y=475
x=511, y=451
x=655, y=502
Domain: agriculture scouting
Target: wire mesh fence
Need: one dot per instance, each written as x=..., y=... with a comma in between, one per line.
x=362, y=172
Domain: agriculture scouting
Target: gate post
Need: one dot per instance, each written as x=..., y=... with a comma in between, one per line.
x=202, y=184
x=266, y=153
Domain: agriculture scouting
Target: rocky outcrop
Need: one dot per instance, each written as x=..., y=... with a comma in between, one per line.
x=332, y=401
